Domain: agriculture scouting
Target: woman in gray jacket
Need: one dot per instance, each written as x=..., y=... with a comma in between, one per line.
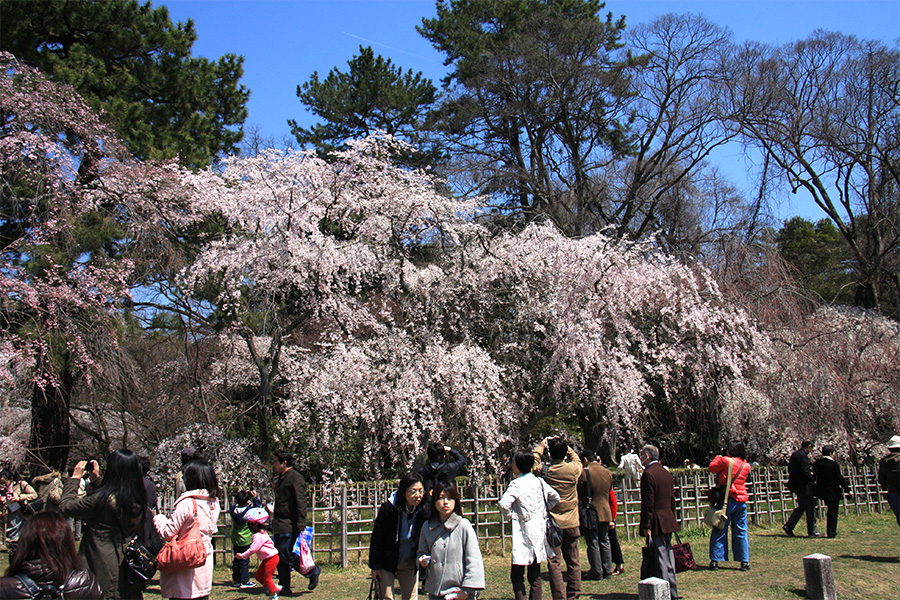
x=449, y=549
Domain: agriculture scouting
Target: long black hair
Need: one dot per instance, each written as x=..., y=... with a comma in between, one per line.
x=200, y=475
x=123, y=481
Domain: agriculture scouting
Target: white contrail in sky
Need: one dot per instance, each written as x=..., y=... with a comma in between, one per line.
x=383, y=45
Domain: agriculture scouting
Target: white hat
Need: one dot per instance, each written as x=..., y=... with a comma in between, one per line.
x=256, y=515
x=894, y=442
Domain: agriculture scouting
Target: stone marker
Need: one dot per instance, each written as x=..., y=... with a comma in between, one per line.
x=819, y=577
x=653, y=588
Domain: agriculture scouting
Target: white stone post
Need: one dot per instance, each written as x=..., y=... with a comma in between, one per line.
x=819, y=577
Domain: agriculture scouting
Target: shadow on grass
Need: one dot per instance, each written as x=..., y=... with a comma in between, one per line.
x=875, y=559
x=607, y=596
x=799, y=592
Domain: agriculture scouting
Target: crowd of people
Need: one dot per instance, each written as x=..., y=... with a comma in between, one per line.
x=554, y=498
x=116, y=507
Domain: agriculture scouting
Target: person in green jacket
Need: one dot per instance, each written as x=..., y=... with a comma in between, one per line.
x=241, y=537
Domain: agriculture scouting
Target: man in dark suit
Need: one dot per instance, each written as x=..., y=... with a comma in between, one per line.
x=658, y=520
x=889, y=475
x=829, y=484
x=802, y=483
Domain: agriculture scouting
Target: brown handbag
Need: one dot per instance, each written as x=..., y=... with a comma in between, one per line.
x=718, y=517
x=181, y=553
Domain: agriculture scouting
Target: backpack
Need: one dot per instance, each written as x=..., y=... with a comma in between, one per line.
x=40, y=592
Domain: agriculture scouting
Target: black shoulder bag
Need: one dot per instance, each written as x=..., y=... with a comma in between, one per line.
x=590, y=520
x=554, y=531
x=138, y=560
x=39, y=592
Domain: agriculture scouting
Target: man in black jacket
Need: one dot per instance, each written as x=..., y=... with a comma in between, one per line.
x=288, y=520
x=802, y=484
x=829, y=484
x=439, y=470
x=889, y=475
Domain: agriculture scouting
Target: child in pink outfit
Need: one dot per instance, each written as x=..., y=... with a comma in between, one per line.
x=263, y=546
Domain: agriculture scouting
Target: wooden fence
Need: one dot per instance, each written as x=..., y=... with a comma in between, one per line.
x=342, y=515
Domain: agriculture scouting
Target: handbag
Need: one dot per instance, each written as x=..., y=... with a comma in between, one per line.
x=181, y=553
x=684, y=557
x=138, y=560
x=33, y=507
x=554, y=531
x=587, y=512
x=715, y=516
x=375, y=590
x=140, y=564
x=302, y=561
x=650, y=562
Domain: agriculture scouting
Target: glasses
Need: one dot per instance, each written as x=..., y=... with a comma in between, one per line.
x=415, y=492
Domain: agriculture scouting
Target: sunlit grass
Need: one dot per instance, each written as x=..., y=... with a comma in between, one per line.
x=865, y=555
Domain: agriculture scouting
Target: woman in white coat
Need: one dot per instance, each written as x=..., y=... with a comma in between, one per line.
x=201, y=496
x=527, y=500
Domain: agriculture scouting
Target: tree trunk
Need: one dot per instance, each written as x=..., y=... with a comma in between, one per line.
x=262, y=416
x=49, y=441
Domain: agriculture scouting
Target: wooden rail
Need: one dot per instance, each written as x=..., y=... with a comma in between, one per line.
x=342, y=515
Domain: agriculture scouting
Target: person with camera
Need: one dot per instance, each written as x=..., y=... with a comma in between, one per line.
x=111, y=514
x=562, y=475
x=735, y=499
x=15, y=494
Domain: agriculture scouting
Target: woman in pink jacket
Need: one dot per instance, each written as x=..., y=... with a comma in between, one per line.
x=202, y=488
x=737, y=508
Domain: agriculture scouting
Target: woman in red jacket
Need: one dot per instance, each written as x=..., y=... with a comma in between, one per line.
x=737, y=508
x=614, y=546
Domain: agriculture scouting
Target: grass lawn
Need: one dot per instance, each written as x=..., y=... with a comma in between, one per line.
x=866, y=558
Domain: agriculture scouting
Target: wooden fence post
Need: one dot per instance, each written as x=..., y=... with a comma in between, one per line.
x=345, y=557
x=345, y=519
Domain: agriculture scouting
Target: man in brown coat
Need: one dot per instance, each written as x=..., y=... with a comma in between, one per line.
x=562, y=475
x=595, y=484
x=658, y=520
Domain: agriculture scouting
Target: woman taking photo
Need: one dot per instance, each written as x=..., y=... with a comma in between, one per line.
x=199, y=502
x=449, y=549
x=47, y=556
x=111, y=515
x=527, y=500
x=736, y=510
x=395, y=537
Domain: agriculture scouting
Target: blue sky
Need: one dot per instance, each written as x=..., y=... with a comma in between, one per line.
x=285, y=41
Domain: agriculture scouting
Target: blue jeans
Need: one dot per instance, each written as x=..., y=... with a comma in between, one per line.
x=740, y=540
x=240, y=567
